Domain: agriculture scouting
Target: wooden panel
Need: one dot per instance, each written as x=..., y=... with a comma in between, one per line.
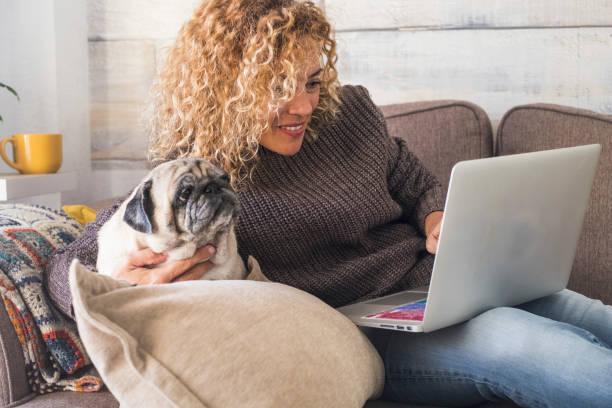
x=138, y=19
x=114, y=182
x=120, y=75
x=161, y=51
x=117, y=132
x=426, y=14
x=495, y=69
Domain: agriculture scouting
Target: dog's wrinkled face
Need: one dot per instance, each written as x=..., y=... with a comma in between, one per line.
x=202, y=201
x=184, y=197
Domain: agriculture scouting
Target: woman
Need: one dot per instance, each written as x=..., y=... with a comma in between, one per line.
x=334, y=206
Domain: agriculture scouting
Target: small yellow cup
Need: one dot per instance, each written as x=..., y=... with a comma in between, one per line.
x=34, y=153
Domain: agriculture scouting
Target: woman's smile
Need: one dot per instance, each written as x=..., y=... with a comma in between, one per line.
x=293, y=130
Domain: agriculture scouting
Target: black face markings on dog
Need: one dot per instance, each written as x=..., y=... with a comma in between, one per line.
x=139, y=210
x=183, y=193
x=185, y=189
x=225, y=178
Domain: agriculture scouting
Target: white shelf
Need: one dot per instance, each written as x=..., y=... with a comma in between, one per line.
x=18, y=186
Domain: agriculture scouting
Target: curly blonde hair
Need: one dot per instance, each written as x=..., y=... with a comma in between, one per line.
x=232, y=65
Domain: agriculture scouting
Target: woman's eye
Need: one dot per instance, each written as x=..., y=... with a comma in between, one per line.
x=313, y=85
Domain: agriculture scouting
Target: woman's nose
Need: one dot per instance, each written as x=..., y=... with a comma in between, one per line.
x=300, y=105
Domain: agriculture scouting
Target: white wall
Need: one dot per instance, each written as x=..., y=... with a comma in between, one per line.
x=43, y=54
x=27, y=52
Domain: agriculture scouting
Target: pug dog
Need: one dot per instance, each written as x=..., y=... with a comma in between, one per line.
x=180, y=206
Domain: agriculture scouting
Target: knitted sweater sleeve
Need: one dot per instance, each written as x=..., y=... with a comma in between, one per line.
x=409, y=182
x=85, y=249
x=414, y=187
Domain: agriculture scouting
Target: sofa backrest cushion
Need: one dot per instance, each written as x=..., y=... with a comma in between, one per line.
x=541, y=127
x=441, y=133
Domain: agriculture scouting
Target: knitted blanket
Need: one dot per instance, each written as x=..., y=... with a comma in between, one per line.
x=54, y=355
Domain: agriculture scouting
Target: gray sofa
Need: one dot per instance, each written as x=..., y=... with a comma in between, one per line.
x=440, y=133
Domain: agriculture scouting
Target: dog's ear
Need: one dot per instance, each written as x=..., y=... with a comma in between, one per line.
x=139, y=210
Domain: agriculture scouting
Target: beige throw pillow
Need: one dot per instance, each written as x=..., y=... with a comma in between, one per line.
x=222, y=344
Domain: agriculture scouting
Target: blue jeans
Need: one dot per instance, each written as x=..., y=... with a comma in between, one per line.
x=551, y=352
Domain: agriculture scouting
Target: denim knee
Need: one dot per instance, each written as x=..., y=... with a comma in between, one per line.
x=513, y=335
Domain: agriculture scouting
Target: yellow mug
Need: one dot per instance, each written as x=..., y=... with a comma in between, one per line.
x=34, y=153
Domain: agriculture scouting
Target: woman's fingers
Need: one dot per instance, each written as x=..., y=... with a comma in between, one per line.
x=195, y=273
x=432, y=239
x=131, y=268
x=146, y=257
x=174, y=269
x=138, y=267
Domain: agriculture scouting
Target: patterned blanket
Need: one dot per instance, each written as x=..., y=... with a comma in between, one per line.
x=54, y=355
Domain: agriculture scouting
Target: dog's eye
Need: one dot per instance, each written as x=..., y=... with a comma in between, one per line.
x=185, y=193
x=212, y=188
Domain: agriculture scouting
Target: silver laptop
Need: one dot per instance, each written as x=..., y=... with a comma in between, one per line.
x=509, y=235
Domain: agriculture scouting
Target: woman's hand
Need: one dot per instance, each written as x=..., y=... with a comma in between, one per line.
x=134, y=268
x=433, y=222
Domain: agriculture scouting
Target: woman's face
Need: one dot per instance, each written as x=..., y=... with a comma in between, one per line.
x=287, y=125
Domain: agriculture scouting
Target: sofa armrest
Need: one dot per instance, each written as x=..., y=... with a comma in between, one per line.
x=14, y=388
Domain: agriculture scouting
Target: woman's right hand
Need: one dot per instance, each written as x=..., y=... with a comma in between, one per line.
x=134, y=268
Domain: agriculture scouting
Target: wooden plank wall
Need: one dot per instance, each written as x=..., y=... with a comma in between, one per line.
x=495, y=53
x=125, y=40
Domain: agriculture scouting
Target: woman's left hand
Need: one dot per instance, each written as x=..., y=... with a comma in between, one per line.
x=433, y=222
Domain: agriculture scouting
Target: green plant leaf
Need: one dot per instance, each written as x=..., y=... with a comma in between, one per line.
x=1, y=118
x=11, y=90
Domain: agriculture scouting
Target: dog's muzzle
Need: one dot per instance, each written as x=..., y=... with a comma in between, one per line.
x=213, y=205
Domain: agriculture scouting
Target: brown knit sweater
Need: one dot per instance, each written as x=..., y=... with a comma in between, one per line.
x=342, y=219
